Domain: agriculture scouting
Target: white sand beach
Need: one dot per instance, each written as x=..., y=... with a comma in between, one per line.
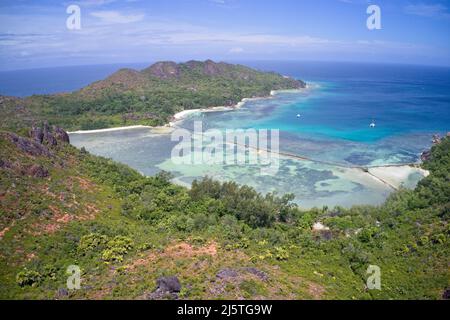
x=109, y=129
x=397, y=175
x=182, y=115
x=155, y=130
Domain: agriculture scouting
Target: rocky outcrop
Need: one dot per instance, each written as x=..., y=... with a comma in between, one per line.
x=37, y=171
x=40, y=144
x=436, y=139
x=227, y=274
x=62, y=293
x=209, y=68
x=34, y=170
x=258, y=273
x=61, y=135
x=124, y=79
x=47, y=136
x=167, y=288
x=164, y=70
x=426, y=155
x=37, y=134
x=31, y=147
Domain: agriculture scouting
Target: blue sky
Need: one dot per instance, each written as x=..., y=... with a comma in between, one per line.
x=34, y=33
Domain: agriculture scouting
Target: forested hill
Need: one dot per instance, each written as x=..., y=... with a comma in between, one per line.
x=137, y=237
x=148, y=97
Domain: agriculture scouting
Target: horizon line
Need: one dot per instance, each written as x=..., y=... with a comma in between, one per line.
x=233, y=61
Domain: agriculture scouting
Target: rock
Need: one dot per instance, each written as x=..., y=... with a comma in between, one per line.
x=164, y=70
x=227, y=273
x=48, y=137
x=260, y=274
x=318, y=226
x=61, y=135
x=37, y=171
x=169, y=284
x=436, y=139
x=36, y=134
x=211, y=68
x=62, y=293
x=167, y=288
x=29, y=146
x=426, y=155
x=446, y=294
x=34, y=170
x=326, y=234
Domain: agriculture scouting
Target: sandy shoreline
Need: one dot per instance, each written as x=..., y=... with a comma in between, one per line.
x=108, y=129
x=182, y=115
x=397, y=176
x=161, y=129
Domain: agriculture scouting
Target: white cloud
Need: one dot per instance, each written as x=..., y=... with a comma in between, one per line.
x=127, y=36
x=112, y=17
x=236, y=50
x=87, y=3
x=427, y=10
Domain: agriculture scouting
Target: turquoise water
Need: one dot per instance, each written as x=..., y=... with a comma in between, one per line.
x=408, y=105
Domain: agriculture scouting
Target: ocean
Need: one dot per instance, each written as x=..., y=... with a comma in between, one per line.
x=407, y=104
x=23, y=83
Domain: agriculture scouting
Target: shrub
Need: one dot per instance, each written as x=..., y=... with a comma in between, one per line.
x=116, y=249
x=438, y=238
x=120, y=242
x=92, y=242
x=281, y=253
x=113, y=255
x=28, y=278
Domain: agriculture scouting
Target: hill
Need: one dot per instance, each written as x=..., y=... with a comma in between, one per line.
x=150, y=97
x=138, y=237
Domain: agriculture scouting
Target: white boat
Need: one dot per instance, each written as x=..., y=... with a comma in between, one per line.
x=299, y=115
x=373, y=124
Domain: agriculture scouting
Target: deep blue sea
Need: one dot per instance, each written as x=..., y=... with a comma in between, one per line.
x=408, y=104
x=22, y=83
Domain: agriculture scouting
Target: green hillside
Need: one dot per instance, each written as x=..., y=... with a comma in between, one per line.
x=61, y=206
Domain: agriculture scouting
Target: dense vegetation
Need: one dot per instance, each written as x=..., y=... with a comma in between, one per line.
x=125, y=230
x=149, y=97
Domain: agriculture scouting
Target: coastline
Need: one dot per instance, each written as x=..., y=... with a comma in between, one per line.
x=182, y=115
x=397, y=176
x=108, y=129
x=156, y=130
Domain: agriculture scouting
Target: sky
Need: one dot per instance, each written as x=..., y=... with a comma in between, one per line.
x=34, y=34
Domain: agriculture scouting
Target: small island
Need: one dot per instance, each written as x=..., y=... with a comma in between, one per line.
x=149, y=97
